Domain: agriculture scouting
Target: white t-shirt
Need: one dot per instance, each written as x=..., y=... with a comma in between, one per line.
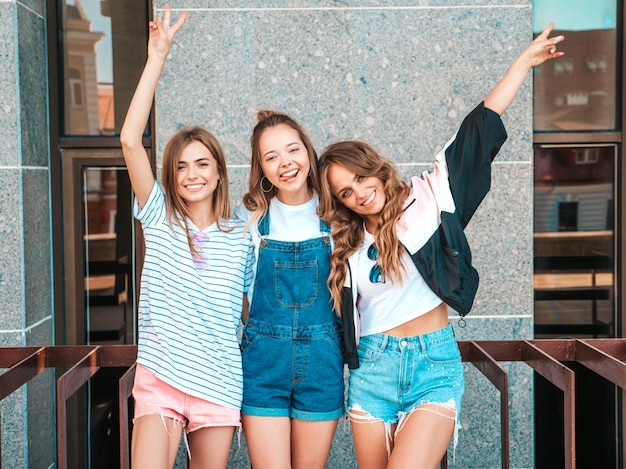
x=294, y=222
x=188, y=318
x=383, y=306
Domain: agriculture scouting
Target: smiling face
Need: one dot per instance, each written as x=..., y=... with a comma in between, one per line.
x=364, y=195
x=285, y=163
x=197, y=174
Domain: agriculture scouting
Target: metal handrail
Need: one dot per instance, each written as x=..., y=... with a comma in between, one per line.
x=605, y=357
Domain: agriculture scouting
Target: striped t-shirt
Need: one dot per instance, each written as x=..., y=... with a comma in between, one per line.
x=188, y=318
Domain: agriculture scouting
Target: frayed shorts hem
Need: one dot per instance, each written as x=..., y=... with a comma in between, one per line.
x=292, y=413
x=177, y=419
x=450, y=404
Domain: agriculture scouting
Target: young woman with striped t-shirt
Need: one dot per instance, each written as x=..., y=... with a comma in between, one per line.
x=196, y=270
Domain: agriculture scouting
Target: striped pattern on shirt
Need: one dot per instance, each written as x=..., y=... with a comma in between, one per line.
x=188, y=318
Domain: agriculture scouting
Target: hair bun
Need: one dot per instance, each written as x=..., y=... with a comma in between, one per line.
x=263, y=114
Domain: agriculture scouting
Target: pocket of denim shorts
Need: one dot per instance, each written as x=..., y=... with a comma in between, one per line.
x=444, y=352
x=367, y=353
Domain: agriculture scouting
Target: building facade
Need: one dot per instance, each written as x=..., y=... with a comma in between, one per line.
x=400, y=74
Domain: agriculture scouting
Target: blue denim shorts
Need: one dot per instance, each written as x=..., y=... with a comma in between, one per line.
x=298, y=376
x=399, y=374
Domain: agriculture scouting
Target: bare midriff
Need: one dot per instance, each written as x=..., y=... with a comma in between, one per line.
x=433, y=320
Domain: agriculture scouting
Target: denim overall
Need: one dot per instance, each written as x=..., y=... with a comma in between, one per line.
x=292, y=342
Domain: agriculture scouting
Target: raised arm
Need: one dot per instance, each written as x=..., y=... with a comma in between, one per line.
x=540, y=50
x=131, y=135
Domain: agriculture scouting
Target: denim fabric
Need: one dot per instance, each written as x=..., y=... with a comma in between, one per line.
x=398, y=374
x=292, y=342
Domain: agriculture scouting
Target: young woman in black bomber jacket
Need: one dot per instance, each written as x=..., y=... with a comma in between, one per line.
x=400, y=258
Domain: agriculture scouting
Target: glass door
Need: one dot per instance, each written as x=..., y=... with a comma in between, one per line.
x=108, y=235
x=101, y=249
x=574, y=254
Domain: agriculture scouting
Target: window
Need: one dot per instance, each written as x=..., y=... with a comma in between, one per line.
x=578, y=133
x=579, y=91
x=76, y=88
x=100, y=71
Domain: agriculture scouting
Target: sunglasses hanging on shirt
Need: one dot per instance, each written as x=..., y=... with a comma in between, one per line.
x=376, y=275
x=200, y=260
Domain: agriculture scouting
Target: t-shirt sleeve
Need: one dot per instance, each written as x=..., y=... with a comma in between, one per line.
x=153, y=210
x=242, y=213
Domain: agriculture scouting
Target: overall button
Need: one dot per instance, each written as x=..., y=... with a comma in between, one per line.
x=403, y=343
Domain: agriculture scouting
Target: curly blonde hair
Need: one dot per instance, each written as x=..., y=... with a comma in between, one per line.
x=257, y=199
x=347, y=227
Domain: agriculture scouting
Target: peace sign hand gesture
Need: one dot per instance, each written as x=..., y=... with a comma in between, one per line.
x=162, y=33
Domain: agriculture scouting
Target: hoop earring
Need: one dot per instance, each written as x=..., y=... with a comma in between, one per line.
x=263, y=188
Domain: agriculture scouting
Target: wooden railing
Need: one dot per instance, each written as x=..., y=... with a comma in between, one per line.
x=605, y=357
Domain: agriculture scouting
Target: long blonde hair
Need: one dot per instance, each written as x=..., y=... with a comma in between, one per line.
x=175, y=206
x=257, y=199
x=347, y=227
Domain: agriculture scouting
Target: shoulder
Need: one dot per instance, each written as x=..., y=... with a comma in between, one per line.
x=154, y=208
x=242, y=213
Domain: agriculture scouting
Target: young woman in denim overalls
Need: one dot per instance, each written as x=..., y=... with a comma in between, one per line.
x=291, y=343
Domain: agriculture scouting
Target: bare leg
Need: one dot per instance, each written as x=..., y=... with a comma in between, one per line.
x=210, y=447
x=311, y=442
x=268, y=440
x=155, y=442
x=423, y=437
x=371, y=440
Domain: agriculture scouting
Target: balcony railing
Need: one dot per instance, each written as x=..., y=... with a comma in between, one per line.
x=605, y=357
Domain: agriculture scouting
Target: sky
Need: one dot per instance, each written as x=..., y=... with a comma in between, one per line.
x=574, y=15
x=103, y=48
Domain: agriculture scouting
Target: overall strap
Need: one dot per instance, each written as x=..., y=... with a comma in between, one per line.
x=264, y=224
x=324, y=227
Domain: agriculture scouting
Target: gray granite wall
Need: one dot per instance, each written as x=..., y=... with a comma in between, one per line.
x=399, y=74
x=25, y=228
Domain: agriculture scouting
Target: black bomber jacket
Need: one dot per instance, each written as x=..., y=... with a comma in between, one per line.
x=440, y=205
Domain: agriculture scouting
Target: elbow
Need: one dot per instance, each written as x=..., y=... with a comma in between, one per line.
x=124, y=138
x=129, y=141
x=125, y=135
x=495, y=106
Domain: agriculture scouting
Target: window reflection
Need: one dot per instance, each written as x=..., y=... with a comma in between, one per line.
x=100, y=69
x=108, y=233
x=577, y=92
x=574, y=256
